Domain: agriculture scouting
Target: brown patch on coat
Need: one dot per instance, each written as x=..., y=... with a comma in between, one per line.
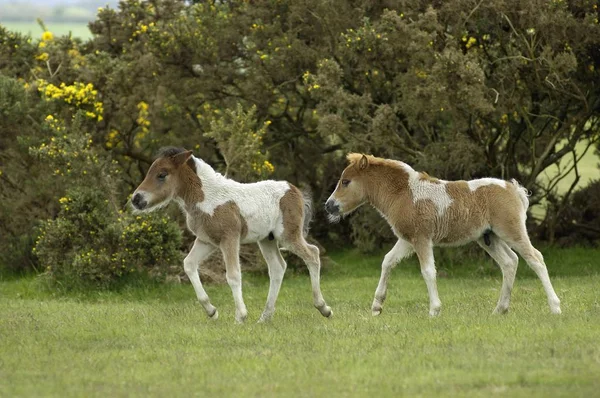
x=292, y=210
x=225, y=222
x=426, y=177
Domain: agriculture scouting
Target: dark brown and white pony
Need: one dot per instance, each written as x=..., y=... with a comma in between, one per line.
x=425, y=212
x=223, y=214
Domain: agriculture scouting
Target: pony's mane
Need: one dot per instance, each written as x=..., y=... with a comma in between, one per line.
x=169, y=151
x=353, y=158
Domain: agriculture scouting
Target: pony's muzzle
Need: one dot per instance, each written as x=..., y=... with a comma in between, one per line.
x=139, y=202
x=332, y=207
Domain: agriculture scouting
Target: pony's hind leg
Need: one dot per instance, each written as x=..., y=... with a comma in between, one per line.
x=200, y=252
x=518, y=239
x=508, y=262
x=310, y=254
x=230, y=247
x=400, y=250
x=277, y=267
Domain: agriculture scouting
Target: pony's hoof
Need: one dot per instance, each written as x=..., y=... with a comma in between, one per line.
x=556, y=310
x=241, y=317
x=376, y=309
x=433, y=312
x=265, y=318
x=500, y=311
x=326, y=311
x=215, y=315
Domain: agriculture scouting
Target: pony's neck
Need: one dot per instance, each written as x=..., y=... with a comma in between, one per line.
x=385, y=187
x=190, y=190
x=196, y=186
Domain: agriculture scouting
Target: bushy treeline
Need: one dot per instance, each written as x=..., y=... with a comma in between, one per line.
x=282, y=89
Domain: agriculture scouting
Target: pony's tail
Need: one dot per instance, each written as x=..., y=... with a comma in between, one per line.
x=523, y=194
x=308, y=210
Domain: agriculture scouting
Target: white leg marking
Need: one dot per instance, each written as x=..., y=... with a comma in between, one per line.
x=200, y=252
x=231, y=255
x=535, y=260
x=310, y=254
x=508, y=262
x=277, y=267
x=424, y=251
x=400, y=250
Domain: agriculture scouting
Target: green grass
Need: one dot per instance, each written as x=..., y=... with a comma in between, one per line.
x=156, y=340
x=77, y=29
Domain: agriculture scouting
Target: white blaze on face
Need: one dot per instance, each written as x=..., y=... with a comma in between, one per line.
x=482, y=182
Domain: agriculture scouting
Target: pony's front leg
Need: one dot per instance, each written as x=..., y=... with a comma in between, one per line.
x=200, y=252
x=230, y=247
x=400, y=250
x=424, y=250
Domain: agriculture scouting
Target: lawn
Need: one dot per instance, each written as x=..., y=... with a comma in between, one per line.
x=156, y=340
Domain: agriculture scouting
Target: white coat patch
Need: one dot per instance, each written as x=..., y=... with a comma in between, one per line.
x=427, y=190
x=258, y=202
x=482, y=182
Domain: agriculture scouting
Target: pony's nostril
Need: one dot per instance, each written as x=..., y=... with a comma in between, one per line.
x=138, y=201
x=331, y=207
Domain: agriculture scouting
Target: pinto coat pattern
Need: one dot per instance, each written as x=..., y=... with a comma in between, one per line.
x=223, y=214
x=425, y=212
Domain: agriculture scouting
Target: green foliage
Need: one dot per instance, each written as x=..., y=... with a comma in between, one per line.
x=240, y=143
x=578, y=222
x=89, y=244
x=461, y=90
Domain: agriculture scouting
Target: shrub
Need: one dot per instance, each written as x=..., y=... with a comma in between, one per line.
x=579, y=222
x=92, y=241
x=91, y=244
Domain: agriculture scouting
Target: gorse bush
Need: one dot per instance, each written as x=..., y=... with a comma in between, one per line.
x=91, y=244
x=92, y=241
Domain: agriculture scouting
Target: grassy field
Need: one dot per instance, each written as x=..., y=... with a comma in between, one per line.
x=156, y=341
x=58, y=28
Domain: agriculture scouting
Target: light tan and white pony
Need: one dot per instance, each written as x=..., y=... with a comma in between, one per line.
x=223, y=214
x=425, y=212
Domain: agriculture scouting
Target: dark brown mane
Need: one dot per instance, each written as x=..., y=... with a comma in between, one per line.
x=170, y=151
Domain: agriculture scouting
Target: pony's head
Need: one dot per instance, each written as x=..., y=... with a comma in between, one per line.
x=162, y=181
x=350, y=192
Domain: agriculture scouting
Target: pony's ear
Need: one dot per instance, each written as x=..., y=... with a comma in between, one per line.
x=181, y=158
x=363, y=163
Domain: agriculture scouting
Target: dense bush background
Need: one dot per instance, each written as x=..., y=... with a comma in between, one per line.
x=462, y=89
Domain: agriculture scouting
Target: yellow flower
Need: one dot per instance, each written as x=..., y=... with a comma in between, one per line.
x=49, y=118
x=470, y=42
x=63, y=200
x=268, y=166
x=142, y=106
x=42, y=44
x=47, y=36
x=42, y=57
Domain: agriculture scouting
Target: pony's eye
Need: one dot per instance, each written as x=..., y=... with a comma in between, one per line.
x=162, y=175
x=345, y=183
